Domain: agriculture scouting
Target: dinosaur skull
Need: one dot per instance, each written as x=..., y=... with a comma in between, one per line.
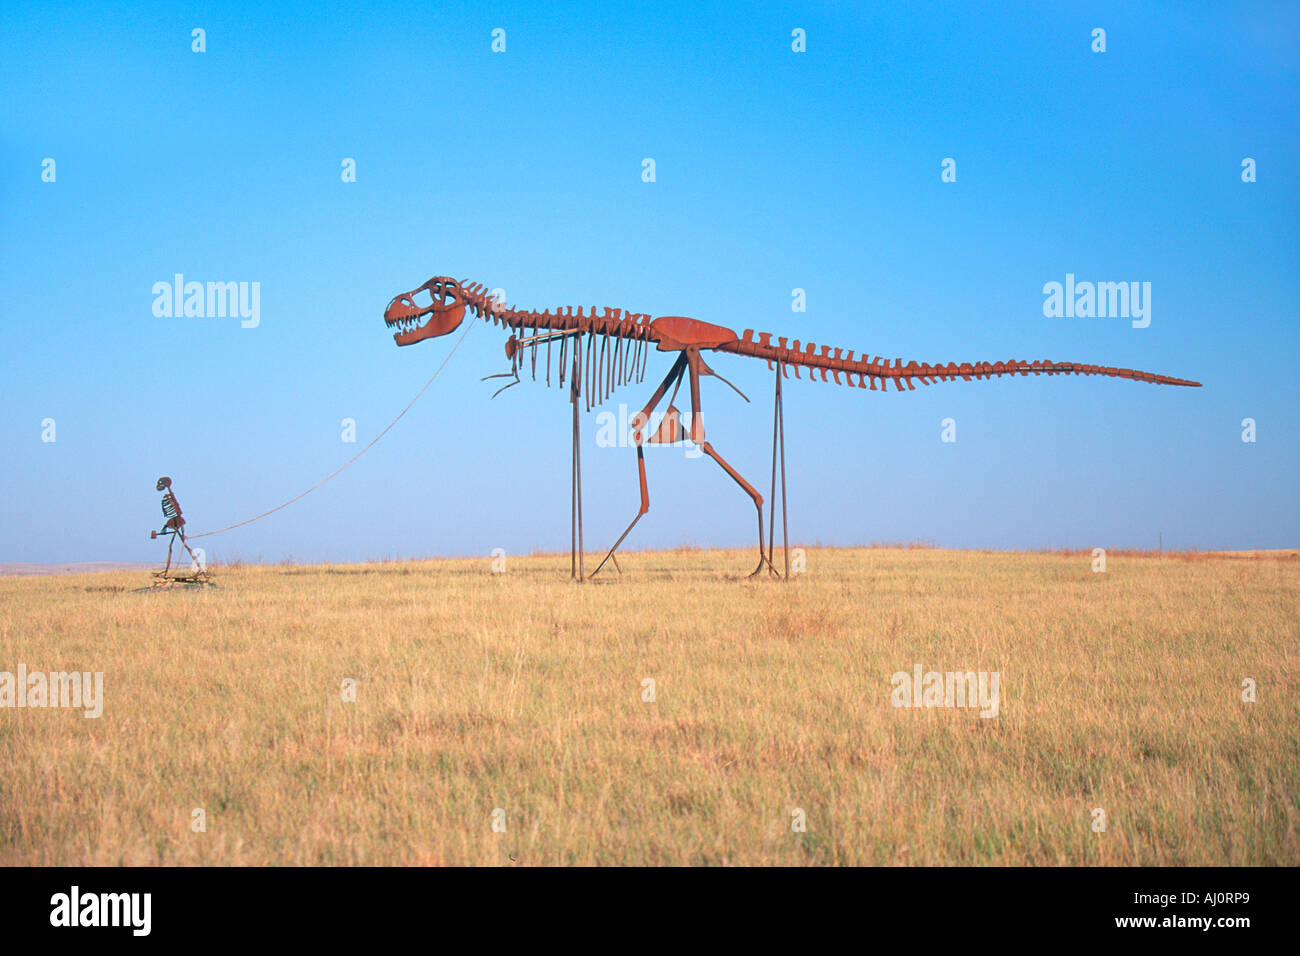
x=434, y=309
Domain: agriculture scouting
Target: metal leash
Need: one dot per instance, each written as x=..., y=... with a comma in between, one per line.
x=437, y=371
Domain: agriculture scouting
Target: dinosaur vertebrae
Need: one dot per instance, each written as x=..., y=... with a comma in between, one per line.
x=879, y=370
x=607, y=366
x=616, y=341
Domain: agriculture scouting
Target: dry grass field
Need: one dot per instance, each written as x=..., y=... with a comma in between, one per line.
x=1119, y=691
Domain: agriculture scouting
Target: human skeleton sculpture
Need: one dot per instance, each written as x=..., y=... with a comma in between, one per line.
x=173, y=528
x=617, y=347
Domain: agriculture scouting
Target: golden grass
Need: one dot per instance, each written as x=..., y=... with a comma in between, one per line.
x=524, y=692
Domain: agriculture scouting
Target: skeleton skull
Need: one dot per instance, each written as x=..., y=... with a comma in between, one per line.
x=434, y=309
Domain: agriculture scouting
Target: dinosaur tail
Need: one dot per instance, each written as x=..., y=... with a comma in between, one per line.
x=878, y=370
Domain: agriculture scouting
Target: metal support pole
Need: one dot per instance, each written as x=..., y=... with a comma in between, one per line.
x=785, y=524
x=575, y=391
x=771, y=498
x=778, y=443
x=573, y=492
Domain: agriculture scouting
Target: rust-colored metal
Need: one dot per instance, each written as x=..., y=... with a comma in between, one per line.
x=778, y=442
x=441, y=304
x=173, y=529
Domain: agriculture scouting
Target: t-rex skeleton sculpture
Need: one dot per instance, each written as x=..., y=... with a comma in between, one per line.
x=619, y=357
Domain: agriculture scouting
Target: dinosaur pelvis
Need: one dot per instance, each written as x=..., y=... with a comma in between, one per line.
x=676, y=332
x=670, y=430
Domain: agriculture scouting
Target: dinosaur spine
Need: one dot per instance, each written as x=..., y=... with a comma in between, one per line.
x=616, y=341
x=607, y=365
x=879, y=370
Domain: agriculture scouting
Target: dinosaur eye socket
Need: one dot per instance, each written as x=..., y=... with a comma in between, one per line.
x=437, y=291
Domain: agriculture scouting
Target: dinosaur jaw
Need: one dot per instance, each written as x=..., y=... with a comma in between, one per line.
x=410, y=326
x=412, y=321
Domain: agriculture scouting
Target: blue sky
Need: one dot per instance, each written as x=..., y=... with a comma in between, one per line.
x=775, y=170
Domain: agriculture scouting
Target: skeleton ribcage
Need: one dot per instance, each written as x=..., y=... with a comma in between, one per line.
x=171, y=511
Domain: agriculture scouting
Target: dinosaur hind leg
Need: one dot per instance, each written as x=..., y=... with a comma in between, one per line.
x=645, y=506
x=763, y=559
x=642, y=420
x=697, y=436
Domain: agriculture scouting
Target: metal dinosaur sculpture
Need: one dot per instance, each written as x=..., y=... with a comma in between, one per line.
x=617, y=350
